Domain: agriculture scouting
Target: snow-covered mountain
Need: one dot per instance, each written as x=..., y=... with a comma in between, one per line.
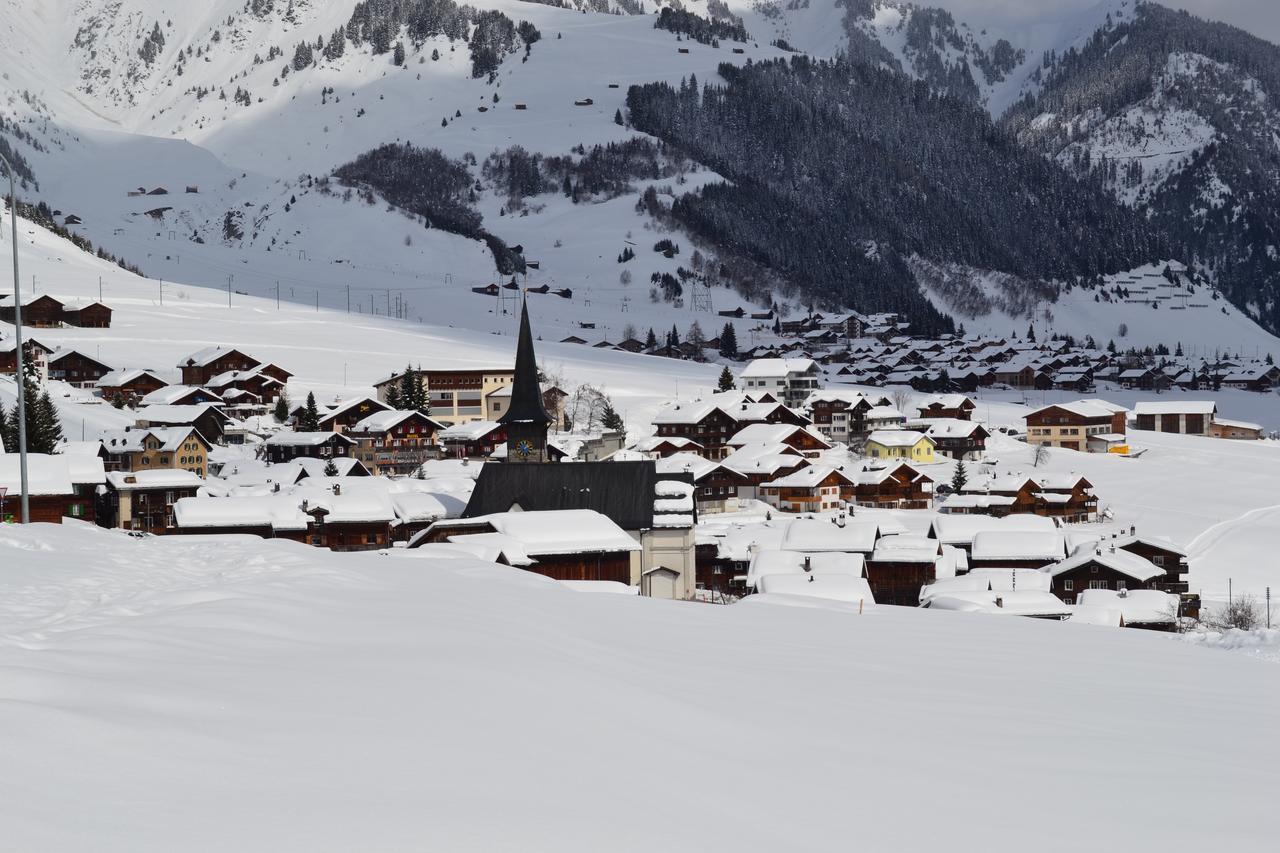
x=199, y=143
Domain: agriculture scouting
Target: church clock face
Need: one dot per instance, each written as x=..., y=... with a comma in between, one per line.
x=524, y=449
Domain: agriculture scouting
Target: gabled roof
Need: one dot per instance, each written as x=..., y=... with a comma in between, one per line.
x=208, y=355
x=1178, y=407
x=898, y=438
x=383, y=421
x=1125, y=562
x=807, y=478
x=622, y=491
x=286, y=438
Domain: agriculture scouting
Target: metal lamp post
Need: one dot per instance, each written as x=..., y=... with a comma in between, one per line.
x=17, y=328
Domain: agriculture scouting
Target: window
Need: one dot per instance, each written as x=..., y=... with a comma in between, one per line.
x=1069, y=585
x=1158, y=560
x=1098, y=585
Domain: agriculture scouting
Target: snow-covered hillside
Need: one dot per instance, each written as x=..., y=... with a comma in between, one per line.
x=239, y=694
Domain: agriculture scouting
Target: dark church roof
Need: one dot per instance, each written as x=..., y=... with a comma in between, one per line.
x=622, y=491
x=526, y=394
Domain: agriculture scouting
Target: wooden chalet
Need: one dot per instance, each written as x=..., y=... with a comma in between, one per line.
x=897, y=486
x=95, y=315
x=396, y=442
x=817, y=488
x=956, y=406
x=347, y=414
x=899, y=566
x=288, y=446
x=128, y=385
x=41, y=312
x=76, y=368
x=59, y=486
x=472, y=440
x=207, y=419
x=143, y=500
x=201, y=366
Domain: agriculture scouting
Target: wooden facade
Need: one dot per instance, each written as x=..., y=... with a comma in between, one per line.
x=200, y=374
x=899, y=582
x=76, y=368
x=903, y=488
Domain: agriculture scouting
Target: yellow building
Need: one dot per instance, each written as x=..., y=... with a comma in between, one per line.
x=902, y=444
x=455, y=396
x=157, y=448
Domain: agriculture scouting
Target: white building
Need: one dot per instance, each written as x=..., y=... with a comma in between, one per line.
x=789, y=380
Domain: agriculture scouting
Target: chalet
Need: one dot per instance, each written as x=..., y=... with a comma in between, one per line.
x=76, y=368
x=840, y=415
x=395, y=442
x=176, y=448
x=958, y=531
x=273, y=516
x=566, y=545
x=902, y=444
x=348, y=413
x=206, y=418
x=1147, y=609
x=791, y=380
x=1068, y=497
x=472, y=440
x=1070, y=425
x=833, y=576
x=1251, y=378
x=813, y=489
x=900, y=566
x=1189, y=417
x=143, y=500
x=129, y=385
x=95, y=315
x=956, y=406
x=201, y=366
x=33, y=353
x=346, y=517
x=965, y=440
x=892, y=486
x=803, y=440
x=58, y=486
x=1103, y=567
x=760, y=464
x=265, y=382
x=287, y=446
x=39, y=312
x=716, y=486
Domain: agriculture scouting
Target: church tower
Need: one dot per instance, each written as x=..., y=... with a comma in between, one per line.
x=526, y=419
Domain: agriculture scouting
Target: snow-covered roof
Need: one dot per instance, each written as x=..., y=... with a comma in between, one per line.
x=767, y=562
x=1018, y=545
x=468, y=431
x=134, y=439
x=208, y=355
x=777, y=368
x=833, y=587
x=771, y=434
x=287, y=438
x=686, y=463
x=1135, y=605
x=383, y=421
x=46, y=475
x=280, y=511
x=897, y=437
x=166, y=395
x=174, y=414
x=905, y=548
x=1008, y=603
x=156, y=478
x=1226, y=422
x=960, y=529
x=568, y=531
x=1082, y=408
x=126, y=375
x=807, y=478
x=1175, y=407
x=811, y=535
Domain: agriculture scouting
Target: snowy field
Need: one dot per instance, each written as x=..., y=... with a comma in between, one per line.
x=197, y=694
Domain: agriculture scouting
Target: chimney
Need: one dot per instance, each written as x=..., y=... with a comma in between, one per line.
x=1133, y=529
x=808, y=563
x=337, y=489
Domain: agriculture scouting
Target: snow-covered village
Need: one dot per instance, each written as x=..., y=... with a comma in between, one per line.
x=427, y=426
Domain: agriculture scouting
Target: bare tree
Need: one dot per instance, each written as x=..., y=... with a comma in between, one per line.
x=585, y=408
x=901, y=398
x=1242, y=613
x=1039, y=455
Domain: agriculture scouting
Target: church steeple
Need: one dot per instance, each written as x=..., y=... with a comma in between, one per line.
x=526, y=419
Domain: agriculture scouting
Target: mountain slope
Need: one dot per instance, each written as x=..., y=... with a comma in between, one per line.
x=1179, y=118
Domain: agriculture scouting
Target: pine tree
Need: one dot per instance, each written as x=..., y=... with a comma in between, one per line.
x=728, y=341
x=610, y=419
x=726, y=380
x=282, y=408
x=617, y=117
x=393, y=396
x=650, y=340
x=674, y=337
x=959, y=477
x=331, y=469
x=410, y=389
x=1031, y=333
x=310, y=418
x=44, y=429
x=9, y=444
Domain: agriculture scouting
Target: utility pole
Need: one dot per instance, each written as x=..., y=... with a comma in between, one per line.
x=388, y=302
x=161, y=291
x=20, y=373
x=99, y=288
x=348, y=299
x=317, y=299
x=277, y=295
x=229, y=279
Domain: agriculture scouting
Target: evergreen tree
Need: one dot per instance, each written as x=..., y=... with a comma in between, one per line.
x=282, y=408
x=411, y=395
x=729, y=341
x=674, y=338
x=393, y=396
x=610, y=419
x=44, y=429
x=959, y=477
x=1111, y=347
x=696, y=339
x=1177, y=351
x=1031, y=333
x=331, y=469
x=617, y=117
x=726, y=380
x=9, y=444
x=310, y=418
x=650, y=340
